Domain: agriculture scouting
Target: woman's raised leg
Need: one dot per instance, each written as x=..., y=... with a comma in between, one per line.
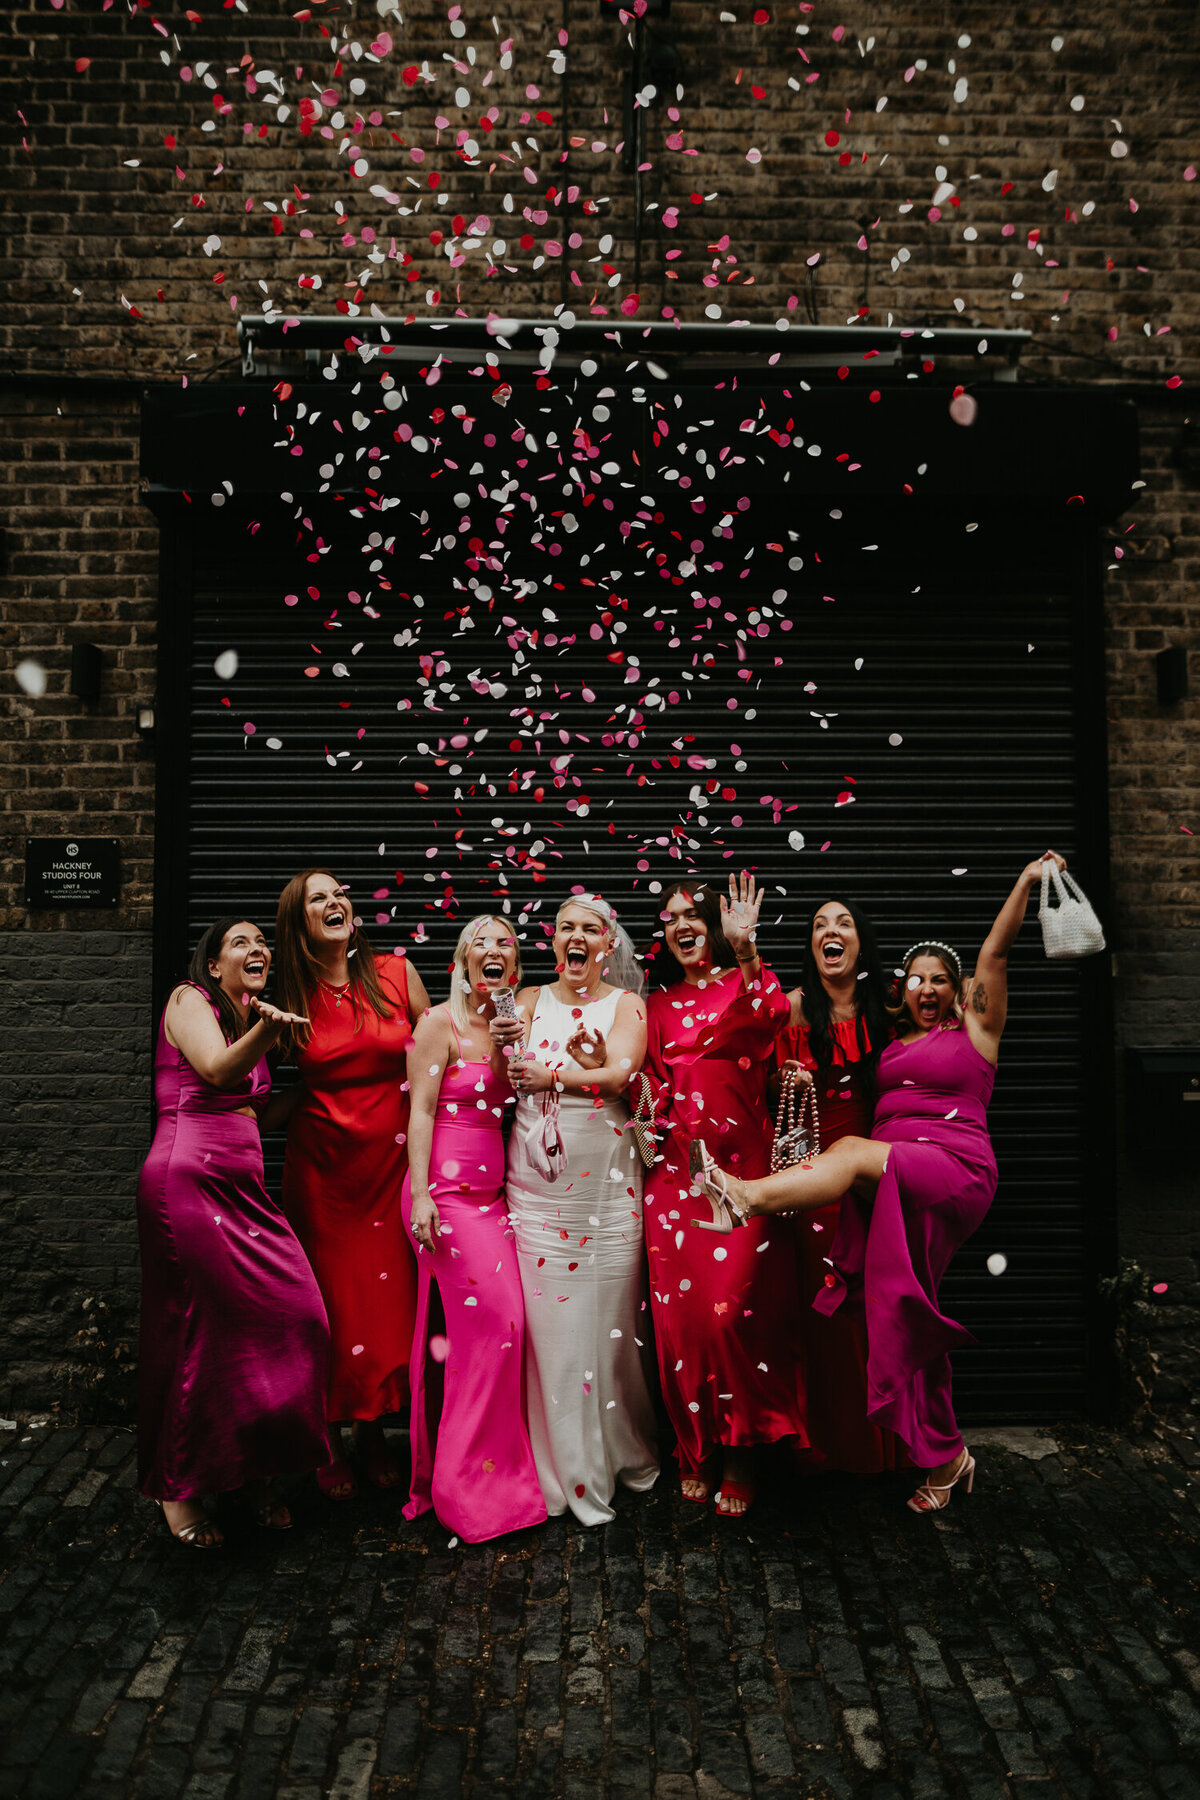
x=854, y=1162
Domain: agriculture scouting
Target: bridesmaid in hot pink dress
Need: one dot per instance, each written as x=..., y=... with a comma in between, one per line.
x=234, y=1341
x=726, y=1325
x=914, y=1191
x=472, y=1461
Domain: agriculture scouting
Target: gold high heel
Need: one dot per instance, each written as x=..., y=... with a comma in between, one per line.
x=726, y=1213
x=925, y=1499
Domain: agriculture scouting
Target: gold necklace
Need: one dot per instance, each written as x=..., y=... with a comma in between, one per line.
x=338, y=990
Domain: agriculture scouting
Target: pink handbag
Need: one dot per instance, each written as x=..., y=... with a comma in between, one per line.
x=543, y=1138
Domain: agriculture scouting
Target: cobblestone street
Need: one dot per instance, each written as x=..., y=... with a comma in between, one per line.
x=1036, y=1638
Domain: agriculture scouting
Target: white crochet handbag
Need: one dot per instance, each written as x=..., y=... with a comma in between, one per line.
x=1070, y=929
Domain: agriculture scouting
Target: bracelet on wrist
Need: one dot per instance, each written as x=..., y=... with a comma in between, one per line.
x=753, y=957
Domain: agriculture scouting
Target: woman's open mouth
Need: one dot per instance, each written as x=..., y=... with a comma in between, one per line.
x=334, y=919
x=833, y=952
x=928, y=1011
x=687, y=941
x=577, y=959
x=493, y=971
x=254, y=965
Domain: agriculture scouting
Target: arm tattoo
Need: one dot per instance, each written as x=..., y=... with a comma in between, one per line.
x=979, y=999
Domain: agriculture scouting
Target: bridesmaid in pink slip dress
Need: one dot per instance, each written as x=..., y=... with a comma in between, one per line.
x=234, y=1346
x=472, y=1463
x=914, y=1191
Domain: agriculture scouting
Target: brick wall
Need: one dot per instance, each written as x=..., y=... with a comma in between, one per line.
x=75, y=1068
x=135, y=237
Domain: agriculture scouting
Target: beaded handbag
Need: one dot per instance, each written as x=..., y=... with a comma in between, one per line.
x=797, y=1127
x=642, y=1121
x=1070, y=929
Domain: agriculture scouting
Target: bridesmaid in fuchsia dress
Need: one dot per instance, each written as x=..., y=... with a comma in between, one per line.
x=472, y=1461
x=234, y=1341
x=725, y=1314
x=914, y=1191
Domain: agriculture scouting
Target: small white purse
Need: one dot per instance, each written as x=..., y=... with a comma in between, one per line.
x=1070, y=929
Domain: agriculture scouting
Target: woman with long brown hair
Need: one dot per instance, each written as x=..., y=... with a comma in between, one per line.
x=234, y=1344
x=347, y=1155
x=725, y=1326
x=836, y=1031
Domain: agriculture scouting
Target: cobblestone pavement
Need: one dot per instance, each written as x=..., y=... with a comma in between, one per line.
x=1034, y=1639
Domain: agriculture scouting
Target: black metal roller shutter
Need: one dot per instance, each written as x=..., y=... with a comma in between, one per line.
x=979, y=677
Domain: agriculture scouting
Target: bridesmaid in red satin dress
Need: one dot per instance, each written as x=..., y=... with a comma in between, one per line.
x=347, y=1156
x=725, y=1315
x=837, y=1027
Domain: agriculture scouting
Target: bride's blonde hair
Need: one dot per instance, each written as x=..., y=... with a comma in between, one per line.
x=461, y=1001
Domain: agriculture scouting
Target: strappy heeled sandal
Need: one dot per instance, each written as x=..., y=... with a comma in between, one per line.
x=726, y=1213
x=189, y=1535
x=926, y=1500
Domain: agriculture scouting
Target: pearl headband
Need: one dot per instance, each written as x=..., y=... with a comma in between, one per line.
x=938, y=948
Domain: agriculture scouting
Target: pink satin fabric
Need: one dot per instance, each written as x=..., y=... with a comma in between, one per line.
x=891, y=1253
x=472, y=1462
x=234, y=1349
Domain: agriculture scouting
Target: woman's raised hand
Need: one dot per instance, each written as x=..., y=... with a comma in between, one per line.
x=274, y=1015
x=1032, y=872
x=589, y=1048
x=739, y=914
x=802, y=1077
x=426, y=1223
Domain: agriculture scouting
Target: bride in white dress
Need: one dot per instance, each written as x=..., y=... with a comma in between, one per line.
x=578, y=1228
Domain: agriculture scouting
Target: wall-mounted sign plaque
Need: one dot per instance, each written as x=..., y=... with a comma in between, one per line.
x=72, y=871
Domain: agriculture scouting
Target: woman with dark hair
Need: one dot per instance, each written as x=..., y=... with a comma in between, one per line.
x=914, y=1191
x=347, y=1155
x=838, y=1026
x=726, y=1326
x=234, y=1340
